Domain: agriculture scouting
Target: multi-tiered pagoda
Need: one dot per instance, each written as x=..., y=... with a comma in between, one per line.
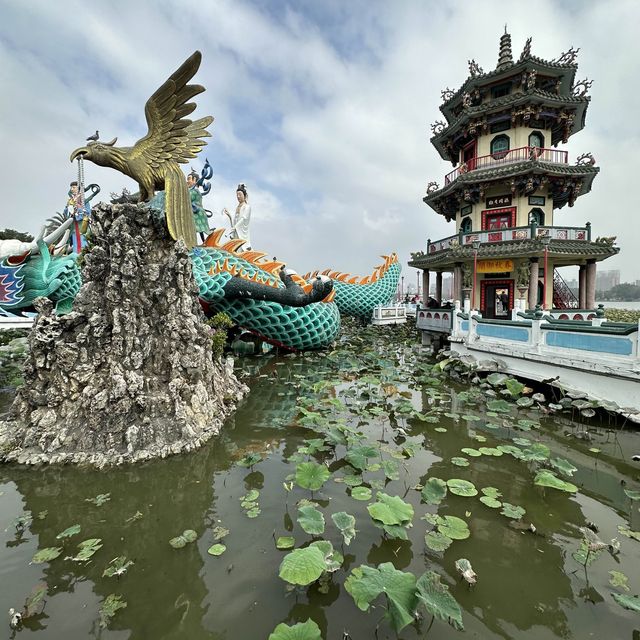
x=501, y=135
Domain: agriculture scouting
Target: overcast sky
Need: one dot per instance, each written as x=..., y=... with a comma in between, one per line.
x=323, y=109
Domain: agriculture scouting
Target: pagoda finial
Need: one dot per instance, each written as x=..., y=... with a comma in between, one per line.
x=505, y=58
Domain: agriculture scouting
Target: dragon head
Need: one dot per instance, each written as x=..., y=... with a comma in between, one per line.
x=101, y=153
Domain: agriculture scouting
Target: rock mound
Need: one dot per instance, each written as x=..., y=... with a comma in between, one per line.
x=129, y=374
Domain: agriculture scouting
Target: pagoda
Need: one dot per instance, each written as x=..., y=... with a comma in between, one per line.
x=501, y=133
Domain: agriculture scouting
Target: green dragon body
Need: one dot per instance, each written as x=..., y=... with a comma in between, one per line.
x=258, y=294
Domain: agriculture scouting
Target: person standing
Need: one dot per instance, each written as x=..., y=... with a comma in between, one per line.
x=241, y=219
x=81, y=212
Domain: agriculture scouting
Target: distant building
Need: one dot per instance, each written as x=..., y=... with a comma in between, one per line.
x=606, y=280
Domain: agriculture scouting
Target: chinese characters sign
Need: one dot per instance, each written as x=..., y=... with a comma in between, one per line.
x=495, y=266
x=499, y=201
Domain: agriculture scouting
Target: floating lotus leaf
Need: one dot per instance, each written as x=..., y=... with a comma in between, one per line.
x=365, y=584
x=524, y=402
x=632, y=495
x=500, y=406
x=346, y=524
x=250, y=459
x=87, y=549
x=587, y=413
x=594, y=450
x=100, y=499
x=527, y=425
x=440, y=430
x=308, y=630
x=512, y=450
x=460, y=462
x=491, y=502
x=69, y=531
x=628, y=602
x=490, y=451
x=361, y=493
x=216, y=549
x=311, y=520
x=438, y=601
x=437, y=541
x=390, y=510
x=512, y=511
x=108, y=608
x=117, y=567
x=515, y=388
x=250, y=496
x=333, y=559
x=497, y=379
x=635, y=535
x=479, y=438
x=545, y=478
x=462, y=487
x=46, y=555
x=537, y=452
x=580, y=404
x=453, y=527
x=285, y=542
x=492, y=492
x=618, y=580
x=311, y=475
x=587, y=553
x=470, y=417
x=563, y=466
x=464, y=568
x=391, y=469
x=254, y=512
x=302, y=566
x=523, y=442
x=434, y=491
x=474, y=453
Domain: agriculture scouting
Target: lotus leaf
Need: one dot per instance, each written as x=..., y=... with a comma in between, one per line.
x=524, y=402
x=391, y=469
x=302, y=566
x=437, y=541
x=545, y=478
x=358, y=456
x=87, y=549
x=346, y=524
x=34, y=600
x=189, y=535
x=361, y=493
x=491, y=502
x=514, y=451
x=108, y=608
x=69, y=531
x=219, y=532
x=515, y=387
x=490, y=451
x=440, y=430
x=512, y=511
x=474, y=453
x=438, y=601
x=333, y=559
x=586, y=555
x=453, y=527
x=311, y=520
x=628, y=602
x=500, y=406
x=117, y=567
x=352, y=480
x=216, y=549
x=462, y=487
x=491, y=492
x=250, y=496
x=308, y=630
x=635, y=535
x=285, y=542
x=391, y=510
x=460, y=462
x=100, y=499
x=250, y=459
x=470, y=417
x=497, y=379
x=618, y=579
x=434, y=491
x=46, y=555
x=632, y=495
x=311, y=475
x=537, y=452
x=464, y=568
x=365, y=584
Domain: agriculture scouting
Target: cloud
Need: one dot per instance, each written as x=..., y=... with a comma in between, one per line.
x=322, y=109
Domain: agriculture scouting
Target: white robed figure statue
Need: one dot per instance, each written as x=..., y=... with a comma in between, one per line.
x=240, y=221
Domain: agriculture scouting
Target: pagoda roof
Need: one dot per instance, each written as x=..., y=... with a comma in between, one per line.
x=564, y=71
x=565, y=251
x=535, y=96
x=501, y=172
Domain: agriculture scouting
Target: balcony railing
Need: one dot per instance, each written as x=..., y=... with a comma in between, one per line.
x=510, y=234
x=501, y=158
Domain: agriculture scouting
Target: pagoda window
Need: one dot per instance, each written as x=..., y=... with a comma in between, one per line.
x=536, y=216
x=465, y=225
x=536, y=139
x=497, y=127
x=500, y=90
x=500, y=146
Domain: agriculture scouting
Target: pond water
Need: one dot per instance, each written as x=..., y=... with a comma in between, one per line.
x=404, y=422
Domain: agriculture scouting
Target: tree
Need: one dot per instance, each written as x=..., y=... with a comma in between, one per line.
x=12, y=234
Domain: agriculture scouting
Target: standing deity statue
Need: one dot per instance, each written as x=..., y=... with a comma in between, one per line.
x=199, y=213
x=241, y=219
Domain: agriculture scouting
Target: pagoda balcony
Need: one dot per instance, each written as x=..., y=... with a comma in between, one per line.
x=502, y=158
x=511, y=234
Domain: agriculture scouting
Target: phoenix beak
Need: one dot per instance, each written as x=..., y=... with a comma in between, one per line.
x=81, y=151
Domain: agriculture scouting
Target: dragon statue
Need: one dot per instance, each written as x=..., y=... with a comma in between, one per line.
x=258, y=294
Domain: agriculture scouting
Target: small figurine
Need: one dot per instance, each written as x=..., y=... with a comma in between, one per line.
x=199, y=213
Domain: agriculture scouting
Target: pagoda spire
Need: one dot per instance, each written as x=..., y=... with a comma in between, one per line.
x=505, y=58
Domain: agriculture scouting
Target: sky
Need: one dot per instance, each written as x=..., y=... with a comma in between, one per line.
x=323, y=109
